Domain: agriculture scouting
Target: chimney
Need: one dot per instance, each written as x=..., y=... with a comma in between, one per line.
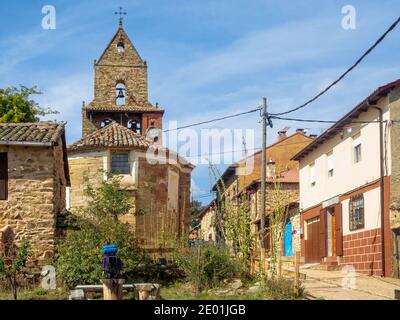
x=282, y=133
x=300, y=130
x=271, y=169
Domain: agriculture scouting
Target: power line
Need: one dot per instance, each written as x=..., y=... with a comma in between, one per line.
x=213, y=120
x=381, y=38
x=322, y=121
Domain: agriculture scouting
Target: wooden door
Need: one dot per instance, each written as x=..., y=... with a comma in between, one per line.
x=312, y=241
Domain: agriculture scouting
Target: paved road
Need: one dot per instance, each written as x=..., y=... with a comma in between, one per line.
x=338, y=285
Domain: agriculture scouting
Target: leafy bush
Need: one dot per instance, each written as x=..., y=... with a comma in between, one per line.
x=78, y=255
x=281, y=289
x=206, y=266
x=12, y=261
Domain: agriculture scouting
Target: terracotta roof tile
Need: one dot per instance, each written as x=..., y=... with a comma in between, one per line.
x=290, y=176
x=37, y=132
x=112, y=136
x=145, y=107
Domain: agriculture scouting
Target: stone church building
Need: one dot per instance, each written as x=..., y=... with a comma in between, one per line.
x=121, y=136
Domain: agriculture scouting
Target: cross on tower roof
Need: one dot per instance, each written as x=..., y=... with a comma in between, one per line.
x=121, y=13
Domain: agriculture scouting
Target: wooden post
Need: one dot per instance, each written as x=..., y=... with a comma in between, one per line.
x=112, y=289
x=262, y=260
x=297, y=273
x=263, y=183
x=279, y=263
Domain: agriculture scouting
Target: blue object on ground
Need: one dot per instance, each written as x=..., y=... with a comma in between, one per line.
x=110, y=249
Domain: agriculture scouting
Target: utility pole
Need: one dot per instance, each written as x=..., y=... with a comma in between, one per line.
x=263, y=178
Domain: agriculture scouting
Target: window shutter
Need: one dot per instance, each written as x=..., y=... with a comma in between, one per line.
x=330, y=161
x=322, y=233
x=3, y=176
x=356, y=140
x=339, y=230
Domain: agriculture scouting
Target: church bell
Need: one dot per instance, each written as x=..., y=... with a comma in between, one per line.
x=120, y=93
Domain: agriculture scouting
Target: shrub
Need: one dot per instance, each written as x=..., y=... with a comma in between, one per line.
x=78, y=255
x=206, y=266
x=281, y=289
x=12, y=261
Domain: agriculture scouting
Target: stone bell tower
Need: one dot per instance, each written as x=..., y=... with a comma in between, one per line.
x=120, y=90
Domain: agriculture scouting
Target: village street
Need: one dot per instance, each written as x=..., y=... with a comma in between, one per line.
x=327, y=285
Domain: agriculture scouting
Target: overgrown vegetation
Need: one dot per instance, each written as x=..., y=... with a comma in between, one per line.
x=234, y=221
x=195, y=209
x=12, y=261
x=17, y=106
x=277, y=219
x=281, y=289
x=206, y=266
x=78, y=255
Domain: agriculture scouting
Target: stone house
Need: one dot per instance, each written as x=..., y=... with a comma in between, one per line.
x=242, y=182
x=206, y=229
x=121, y=135
x=33, y=176
x=349, y=188
x=281, y=190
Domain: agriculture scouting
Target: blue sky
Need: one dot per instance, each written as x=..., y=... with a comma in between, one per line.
x=206, y=58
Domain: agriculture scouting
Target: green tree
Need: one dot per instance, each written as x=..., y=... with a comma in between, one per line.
x=17, y=106
x=12, y=261
x=78, y=255
x=108, y=200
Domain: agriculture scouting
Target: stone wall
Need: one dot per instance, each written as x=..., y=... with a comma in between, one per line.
x=394, y=105
x=84, y=169
x=34, y=197
x=155, y=226
x=126, y=67
x=160, y=226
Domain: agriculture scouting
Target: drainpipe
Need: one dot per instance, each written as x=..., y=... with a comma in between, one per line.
x=382, y=185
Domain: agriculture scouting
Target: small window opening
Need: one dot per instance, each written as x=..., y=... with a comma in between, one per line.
x=105, y=122
x=120, y=47
x=134, y=125
x=120, y=94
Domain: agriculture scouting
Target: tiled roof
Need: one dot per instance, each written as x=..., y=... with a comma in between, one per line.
x=290, y=176
x=112, y=136
x=31, y=133
x=146, y=107
x=347, y=119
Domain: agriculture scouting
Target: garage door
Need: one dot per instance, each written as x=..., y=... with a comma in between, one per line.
x=312, y=240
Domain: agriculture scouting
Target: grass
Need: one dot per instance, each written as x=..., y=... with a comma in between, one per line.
x=184, y=291
x=36, y=294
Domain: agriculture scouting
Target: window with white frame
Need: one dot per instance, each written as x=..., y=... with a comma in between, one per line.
x=330, y=163
x=357, y=148
x=312, y=174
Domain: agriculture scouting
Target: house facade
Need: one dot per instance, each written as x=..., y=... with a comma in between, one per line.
x=121, y=136
x=207, y=230
x=242, y=182
x=349, y=213
x=33, y=176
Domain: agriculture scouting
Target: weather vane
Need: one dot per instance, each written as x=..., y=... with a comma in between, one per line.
x=121, y=14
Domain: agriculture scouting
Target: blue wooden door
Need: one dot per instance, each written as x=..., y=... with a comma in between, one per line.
x=288, y=240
